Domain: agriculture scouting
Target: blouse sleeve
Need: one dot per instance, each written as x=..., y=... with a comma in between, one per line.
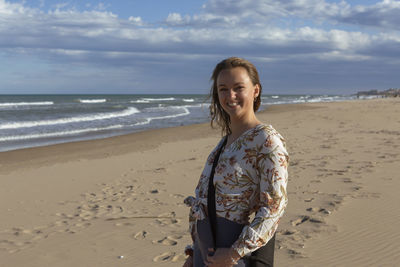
x=272, y=163
x=192, y=225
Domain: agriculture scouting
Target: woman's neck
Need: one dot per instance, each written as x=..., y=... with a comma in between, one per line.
x=241, y=125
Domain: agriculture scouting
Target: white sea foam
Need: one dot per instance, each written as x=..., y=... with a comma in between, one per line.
x=159, y=99
x=313, y=100
x=196, y=105
x=140, y=101
x=57, y=134
x=275, y=96
x=298, y=101
x=369, y=96
x=162, y=108
x=92, y=101
x=188, y=99
x=280, y=102
x=148, y=120
x=100, y=116
x=45, y=103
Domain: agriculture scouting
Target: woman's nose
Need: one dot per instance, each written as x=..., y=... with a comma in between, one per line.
x=232, y=93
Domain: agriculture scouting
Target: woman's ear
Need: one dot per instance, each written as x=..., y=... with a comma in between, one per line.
x=256, y=90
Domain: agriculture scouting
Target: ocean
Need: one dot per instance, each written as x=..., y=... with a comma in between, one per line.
x=39, y=120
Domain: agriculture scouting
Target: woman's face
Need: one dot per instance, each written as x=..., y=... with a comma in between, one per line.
x=236, y=92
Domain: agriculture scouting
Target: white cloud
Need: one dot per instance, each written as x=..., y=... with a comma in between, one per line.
x=268, y=9
x=382, y=14
x=175, y=19
x=136, y=20
x=248, y=28
x=7, y=8
x=69, y=29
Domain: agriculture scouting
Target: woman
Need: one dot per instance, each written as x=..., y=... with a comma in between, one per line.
x=250, y=175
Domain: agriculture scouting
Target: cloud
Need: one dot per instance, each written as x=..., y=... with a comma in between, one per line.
x=258, y=11
x=7, y=8
x=383, y=14
x=97, y=30
x=104, y=31
x=136, y=21
x=255, y=29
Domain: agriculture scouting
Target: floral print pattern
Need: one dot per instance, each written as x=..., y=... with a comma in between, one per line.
x=250, y=177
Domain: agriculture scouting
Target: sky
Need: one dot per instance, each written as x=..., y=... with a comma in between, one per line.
x=171, y=47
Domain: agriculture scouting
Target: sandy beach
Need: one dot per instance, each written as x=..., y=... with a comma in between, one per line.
x=119, y=201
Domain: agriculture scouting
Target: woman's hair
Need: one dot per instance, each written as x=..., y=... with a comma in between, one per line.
x=218, y=114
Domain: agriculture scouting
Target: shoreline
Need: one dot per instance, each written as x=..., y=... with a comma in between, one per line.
x=53, y=134
x=87, y=203
x=122, y=144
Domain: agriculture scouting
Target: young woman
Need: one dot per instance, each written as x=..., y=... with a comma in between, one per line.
x=250, y=175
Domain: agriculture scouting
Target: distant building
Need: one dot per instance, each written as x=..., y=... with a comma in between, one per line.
x=392, y=92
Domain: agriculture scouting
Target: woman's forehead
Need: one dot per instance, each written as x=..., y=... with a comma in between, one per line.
x=233, y=76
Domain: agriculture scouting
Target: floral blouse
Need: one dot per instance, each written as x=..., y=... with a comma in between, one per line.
x=251, y=176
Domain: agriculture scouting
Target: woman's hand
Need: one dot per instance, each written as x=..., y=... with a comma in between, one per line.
x=188, y=262
x=223, y=257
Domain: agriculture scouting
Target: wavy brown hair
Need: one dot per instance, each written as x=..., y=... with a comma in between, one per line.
x=217, y=113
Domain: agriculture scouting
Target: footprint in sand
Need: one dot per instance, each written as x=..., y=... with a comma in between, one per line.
x=322, y=210
x=166, y=256
x=179, y=257
x=167, y=218
x=295, y=254
x=347, y=180
x=140, y=235
x=334, y=203
x=300, y=220
x=168, y=240
x=305, y=218
x=313, y=209
x=158, y=170
x=168, y=221
x=289, y=232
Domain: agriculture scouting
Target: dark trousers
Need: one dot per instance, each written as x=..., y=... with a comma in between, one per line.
x=227, y=233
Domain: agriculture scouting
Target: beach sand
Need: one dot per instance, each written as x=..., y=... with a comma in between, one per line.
x=118, y=201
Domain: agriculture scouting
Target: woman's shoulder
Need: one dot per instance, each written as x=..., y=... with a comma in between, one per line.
x=269, y=136
x=267, y=131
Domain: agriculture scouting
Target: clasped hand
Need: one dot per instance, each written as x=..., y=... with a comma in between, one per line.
x=221, y=258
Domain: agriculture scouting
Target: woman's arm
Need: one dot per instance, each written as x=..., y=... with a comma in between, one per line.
x=272, y=163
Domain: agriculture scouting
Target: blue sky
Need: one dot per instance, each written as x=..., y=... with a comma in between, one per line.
x=299, y=46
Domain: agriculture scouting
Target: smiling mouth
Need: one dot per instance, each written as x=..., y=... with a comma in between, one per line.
x=232, y=104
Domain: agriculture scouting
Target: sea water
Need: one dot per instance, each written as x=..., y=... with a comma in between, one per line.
x=38, y=120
